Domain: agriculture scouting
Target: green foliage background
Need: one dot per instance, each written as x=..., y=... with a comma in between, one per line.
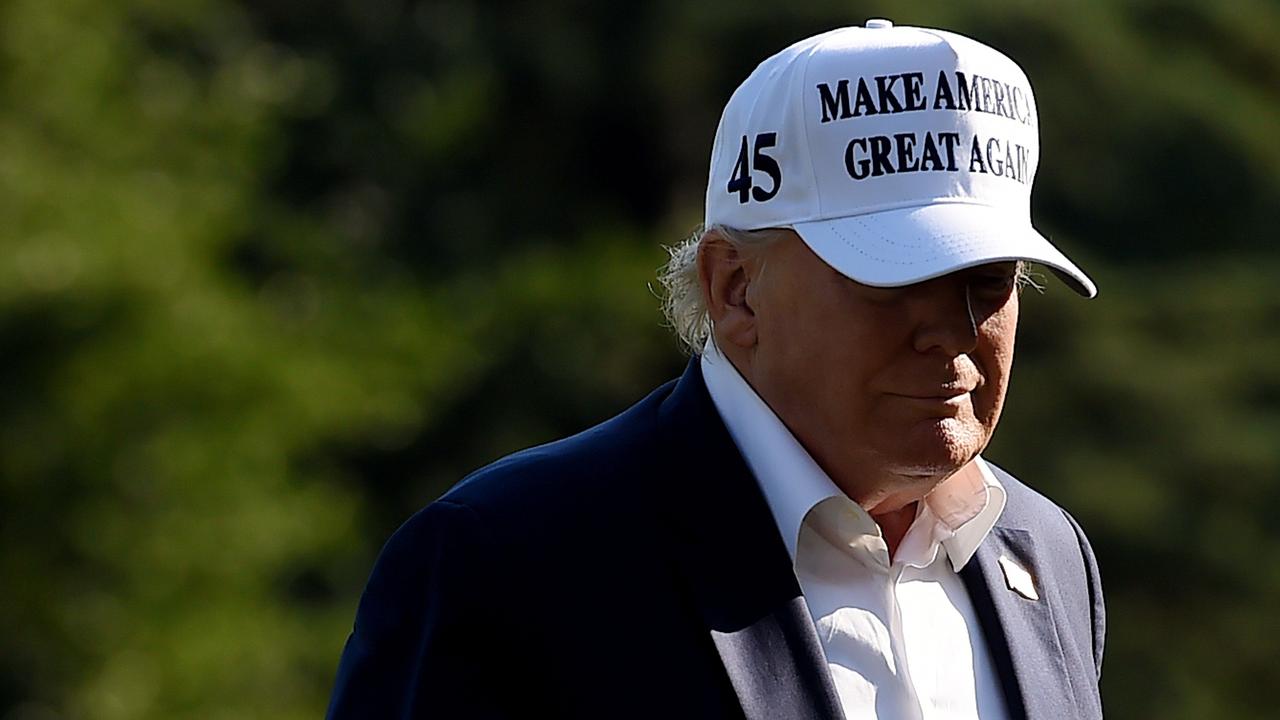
x=275, y=274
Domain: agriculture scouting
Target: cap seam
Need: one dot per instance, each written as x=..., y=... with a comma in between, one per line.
x=804, y=117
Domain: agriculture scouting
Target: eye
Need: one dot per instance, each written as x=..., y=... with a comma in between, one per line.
x=992, y=283
x=880, y=296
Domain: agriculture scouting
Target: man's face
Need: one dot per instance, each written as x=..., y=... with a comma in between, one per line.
x=888, y=388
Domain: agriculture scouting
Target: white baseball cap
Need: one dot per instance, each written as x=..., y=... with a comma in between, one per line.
x=897, y=153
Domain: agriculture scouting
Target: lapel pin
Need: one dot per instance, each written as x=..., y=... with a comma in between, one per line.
x=1018, y=579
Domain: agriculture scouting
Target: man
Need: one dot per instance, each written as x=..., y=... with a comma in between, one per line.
x=802, y=525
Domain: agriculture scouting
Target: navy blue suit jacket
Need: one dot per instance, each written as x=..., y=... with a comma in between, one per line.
x=634, y=570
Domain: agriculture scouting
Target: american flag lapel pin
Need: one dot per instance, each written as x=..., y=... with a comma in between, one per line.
x=1018, y=579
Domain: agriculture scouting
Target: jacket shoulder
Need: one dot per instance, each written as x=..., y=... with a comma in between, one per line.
x=567, y=482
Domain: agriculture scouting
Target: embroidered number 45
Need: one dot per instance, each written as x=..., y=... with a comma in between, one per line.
x=740, y=181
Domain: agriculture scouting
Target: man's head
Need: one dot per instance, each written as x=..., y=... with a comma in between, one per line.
x=891, y=390
x=868, y=215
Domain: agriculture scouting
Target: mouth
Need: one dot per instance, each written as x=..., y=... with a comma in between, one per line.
x=948, y=399
x=942, y=394
x=945, y=401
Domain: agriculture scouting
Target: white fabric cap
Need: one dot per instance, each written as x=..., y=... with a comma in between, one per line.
x=897, y=153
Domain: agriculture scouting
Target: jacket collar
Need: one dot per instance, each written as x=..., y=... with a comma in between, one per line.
x=738, y=568
x=1032, y=670
x=1021, y=630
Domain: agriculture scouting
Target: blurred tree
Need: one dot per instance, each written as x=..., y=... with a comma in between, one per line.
x=275, y=274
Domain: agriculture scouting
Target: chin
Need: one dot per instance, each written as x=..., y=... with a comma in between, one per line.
x=940, y=447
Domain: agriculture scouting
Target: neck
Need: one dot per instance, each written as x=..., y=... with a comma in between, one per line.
x=894, y=524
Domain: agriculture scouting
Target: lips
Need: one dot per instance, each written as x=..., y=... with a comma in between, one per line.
x=945, y=392
x=937, y=403
x=954, y=380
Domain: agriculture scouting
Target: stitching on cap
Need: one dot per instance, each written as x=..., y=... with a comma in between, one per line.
x=969, y=241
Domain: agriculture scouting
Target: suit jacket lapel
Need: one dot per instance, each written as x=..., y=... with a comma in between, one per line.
x=738, y=569
x=1020, y=631
x=777, y=667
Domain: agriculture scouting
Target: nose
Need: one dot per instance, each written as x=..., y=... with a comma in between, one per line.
x=945, y=319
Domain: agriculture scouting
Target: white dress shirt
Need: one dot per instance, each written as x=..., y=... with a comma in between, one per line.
x=900, y=634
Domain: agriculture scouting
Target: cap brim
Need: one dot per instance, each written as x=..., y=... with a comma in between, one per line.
x=910, y=245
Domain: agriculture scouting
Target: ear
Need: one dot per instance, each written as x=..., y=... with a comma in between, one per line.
x=726, y=275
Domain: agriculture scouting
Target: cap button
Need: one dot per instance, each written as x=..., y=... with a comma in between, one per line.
x=877, y=23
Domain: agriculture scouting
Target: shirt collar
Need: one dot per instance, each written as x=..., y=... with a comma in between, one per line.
x=965, y=505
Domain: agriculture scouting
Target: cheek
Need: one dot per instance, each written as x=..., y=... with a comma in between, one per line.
x=817, y=358
x=999, y=333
